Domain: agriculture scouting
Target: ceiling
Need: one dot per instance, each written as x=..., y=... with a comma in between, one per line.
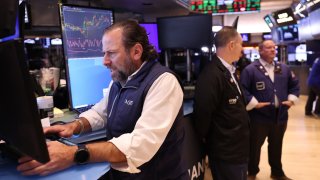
x=169, y=6
x=142, y=6
x=142, y=10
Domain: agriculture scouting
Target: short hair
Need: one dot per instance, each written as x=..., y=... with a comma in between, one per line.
x=133, y=33
x=224, y=36
x=261, y=44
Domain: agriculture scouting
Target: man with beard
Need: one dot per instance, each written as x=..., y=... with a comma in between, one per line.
x=141, y=112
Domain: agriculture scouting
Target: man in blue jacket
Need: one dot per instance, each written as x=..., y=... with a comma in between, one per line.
x=314, y=88
x=271, y=89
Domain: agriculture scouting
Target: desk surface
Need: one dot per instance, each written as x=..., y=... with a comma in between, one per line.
x=78, y=172
x=70, y=116
x=82, y=172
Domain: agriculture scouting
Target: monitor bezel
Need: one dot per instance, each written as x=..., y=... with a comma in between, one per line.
x=64, y=44
x=20, y=121
x=209, y=43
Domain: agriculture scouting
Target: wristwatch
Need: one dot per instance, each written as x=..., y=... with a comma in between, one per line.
x=82, y=155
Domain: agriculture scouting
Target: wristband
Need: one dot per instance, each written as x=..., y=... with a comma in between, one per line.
x=81, y=127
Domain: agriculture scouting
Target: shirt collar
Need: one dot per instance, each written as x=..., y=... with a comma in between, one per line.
x=131, y=76
x=265, y=63
x=230, y=67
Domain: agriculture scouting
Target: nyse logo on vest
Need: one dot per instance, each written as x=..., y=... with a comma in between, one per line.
x=128, y=102
x=233, y=101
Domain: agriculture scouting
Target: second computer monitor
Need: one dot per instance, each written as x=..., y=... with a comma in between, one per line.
x=82, y=30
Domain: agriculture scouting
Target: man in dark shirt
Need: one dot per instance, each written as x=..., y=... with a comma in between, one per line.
x=221, y=119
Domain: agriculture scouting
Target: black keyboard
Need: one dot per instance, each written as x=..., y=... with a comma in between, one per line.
x=82, y=109
x=55, y=137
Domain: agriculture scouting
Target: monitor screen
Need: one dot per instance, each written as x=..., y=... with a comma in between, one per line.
x=218, y=7
x=269, y=21
x=82, y=30
x=297, y=52
x=152, y=31
x=245, y=37
x=56, y=41
x=266, y=36
x=20, y=122
x=87, y=79
x=194, y=31
x=288, y=33
x=284, y=17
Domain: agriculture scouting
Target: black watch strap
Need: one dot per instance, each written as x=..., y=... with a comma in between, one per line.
x=82, y=154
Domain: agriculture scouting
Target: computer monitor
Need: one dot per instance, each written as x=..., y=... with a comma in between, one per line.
x=192, y=31
x=284, y=17
x=245, y=37
x=82, y=30
x=152, y=31
x=20, y=125
x=266, y=36
x=269, y=21
x=8, y=10
x=17, y=15
x=297, y=52
x=288, y=33
x=13, y=36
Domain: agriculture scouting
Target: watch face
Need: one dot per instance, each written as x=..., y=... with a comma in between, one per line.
x=82, y=155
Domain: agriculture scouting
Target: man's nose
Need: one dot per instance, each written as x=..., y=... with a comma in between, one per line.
x=106, y=61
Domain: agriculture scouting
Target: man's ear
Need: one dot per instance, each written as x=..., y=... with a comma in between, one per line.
x=136, y=51
x=231, y=45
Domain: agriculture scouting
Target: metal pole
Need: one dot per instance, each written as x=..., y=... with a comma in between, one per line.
x=166, y=58
x=188, y=66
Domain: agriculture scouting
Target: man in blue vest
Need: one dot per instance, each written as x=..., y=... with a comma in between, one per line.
x=271, y=89
x=142, y=114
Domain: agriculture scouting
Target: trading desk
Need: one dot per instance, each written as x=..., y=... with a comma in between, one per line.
x=77, y=172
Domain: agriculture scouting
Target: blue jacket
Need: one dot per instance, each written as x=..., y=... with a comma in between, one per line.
x=314, y=76
x=257, y=83
x=125, y=108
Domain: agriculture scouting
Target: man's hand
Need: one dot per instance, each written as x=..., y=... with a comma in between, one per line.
x=65, y=130
x=61, y=157
x=287, y=103
x=262, y=104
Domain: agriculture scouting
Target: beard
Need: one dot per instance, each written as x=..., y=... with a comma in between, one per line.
x=122, y=73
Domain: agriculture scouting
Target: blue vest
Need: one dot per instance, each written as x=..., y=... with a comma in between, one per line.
x=125, y=107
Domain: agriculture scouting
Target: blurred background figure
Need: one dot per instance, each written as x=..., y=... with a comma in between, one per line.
x=242, y=63
x=314, y=90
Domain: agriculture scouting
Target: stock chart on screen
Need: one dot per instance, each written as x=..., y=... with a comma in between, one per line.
x=82, y=30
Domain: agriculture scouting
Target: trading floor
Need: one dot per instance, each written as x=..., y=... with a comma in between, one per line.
x=301, y=147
